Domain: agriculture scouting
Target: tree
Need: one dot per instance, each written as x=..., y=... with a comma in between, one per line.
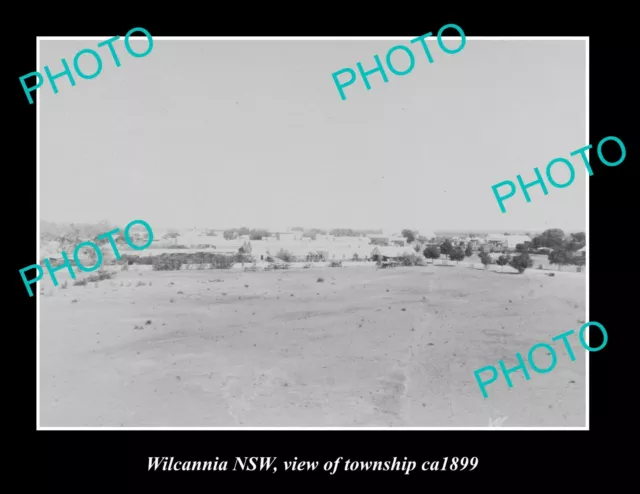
x=521, y=262
x=503, y=260
x=580, y=261
x=258, y=234
x=410, y=235
x=432, y=252
x=521, y=248
x=229, y=234
x=345, y=232
x=355, y=258
x=285, y=255
x=70, y=238
x=468, y=251
x=485, y=259
x=553, y=238
x=446, y=247
x=560, y=257
x=576, y=242
x=457, y=254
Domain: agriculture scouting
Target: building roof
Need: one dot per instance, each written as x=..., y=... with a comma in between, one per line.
x=513, y=240
x=392, y=251
x=496, y=237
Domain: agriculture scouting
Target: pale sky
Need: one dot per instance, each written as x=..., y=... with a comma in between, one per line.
x=253, y=133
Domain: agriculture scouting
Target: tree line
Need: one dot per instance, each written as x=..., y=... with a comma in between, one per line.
x=561, y=249
x=260, y=233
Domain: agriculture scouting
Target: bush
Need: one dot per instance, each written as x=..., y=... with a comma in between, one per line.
x=485, y=259
x=100, y=275
x=81, y=282
x=139, y=260
x=412, y=260
x=320, y=280
x=285, y=255
x=503, y=260
x=432, y=252
x=335, y=264
x=521, y=262
x=457, y=254
x=167, y=264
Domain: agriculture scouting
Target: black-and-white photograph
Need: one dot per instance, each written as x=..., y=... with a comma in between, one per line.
x=312, y=261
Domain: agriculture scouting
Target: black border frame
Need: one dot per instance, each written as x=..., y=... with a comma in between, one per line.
x=85, y=460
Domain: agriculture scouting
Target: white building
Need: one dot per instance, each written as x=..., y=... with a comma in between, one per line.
x=513, y=240
x=324, y=238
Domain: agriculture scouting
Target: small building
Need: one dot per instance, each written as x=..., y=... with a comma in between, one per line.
x=380, y=253
x=495, y=242
x=513, y=240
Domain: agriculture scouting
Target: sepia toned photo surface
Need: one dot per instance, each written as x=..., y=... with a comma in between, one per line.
x=314, y=262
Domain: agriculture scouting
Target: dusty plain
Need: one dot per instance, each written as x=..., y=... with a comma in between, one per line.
x=365, y=348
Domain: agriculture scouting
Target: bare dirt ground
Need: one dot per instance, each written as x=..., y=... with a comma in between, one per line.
x=367, y=347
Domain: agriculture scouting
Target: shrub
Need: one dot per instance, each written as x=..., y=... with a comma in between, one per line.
x=166, y=264
x=457, y=254
x=335, y=264
x=485, y=259
x=408, y=259
x=285, y=255
x=320, y=280
x=432, y=252
x=220, y=261
x=521, y=262
x=81, y=282
x=139, y=260
x=100, y=275
x=560, y=257
x=503, y=260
